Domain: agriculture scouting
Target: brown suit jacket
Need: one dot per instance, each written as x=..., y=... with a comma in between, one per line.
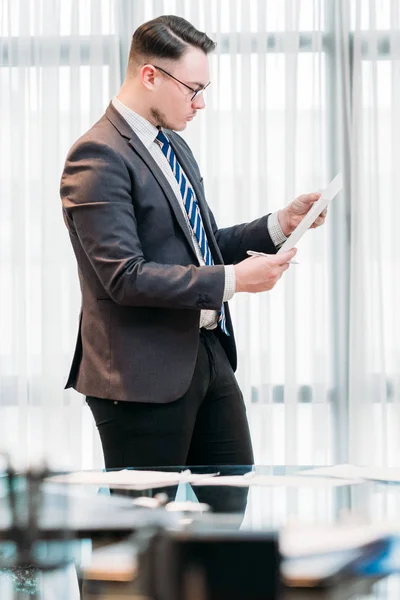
x=142, y=291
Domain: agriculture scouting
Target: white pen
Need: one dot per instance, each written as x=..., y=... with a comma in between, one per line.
x=254, y=253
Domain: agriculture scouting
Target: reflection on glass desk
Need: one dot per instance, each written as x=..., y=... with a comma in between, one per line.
x=231, y=509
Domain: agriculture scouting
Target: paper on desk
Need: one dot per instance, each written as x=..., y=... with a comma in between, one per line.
x=118, y=562
x=316, y=209
x=306, y=539
x=128, y=478
x=251, y=479
x=356, y=473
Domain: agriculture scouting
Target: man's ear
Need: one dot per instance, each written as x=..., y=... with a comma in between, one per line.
x=148, y=76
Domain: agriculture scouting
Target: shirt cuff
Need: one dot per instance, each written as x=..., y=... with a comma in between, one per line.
x=274, y=229
x=230, y=282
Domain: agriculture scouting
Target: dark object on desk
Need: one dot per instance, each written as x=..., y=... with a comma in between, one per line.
x=19, y=556
x=41, y=522
x=21, y=509
x=211, y=566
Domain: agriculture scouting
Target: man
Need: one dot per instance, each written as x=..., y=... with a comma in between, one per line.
x=156, y=354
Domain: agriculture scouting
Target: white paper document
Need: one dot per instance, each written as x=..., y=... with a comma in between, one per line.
x=306, y=539
x=356, y=473
x=251, y=479
x=316, y=209
x=128, y=478
x=120, y=560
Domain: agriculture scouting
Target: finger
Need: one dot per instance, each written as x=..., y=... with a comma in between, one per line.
x=314, y=196
x=319, y=221
x=311, y=197
x=284, y=257
x=321, y=218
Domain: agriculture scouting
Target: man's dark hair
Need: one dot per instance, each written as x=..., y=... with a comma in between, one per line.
x=167, y=37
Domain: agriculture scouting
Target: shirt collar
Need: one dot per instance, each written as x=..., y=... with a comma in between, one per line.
x=146, y=131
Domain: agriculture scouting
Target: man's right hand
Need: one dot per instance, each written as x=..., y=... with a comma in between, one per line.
x=260, y=273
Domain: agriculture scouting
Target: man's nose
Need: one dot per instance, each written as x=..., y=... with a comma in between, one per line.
x=199, y=102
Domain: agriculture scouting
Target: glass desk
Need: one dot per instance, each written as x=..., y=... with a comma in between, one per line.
x=231, y=509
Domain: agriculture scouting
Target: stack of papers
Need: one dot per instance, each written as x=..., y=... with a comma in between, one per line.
x=252, y=479
x=321, y=477
x=128, y=478
x=356, y=473
x=307, y=539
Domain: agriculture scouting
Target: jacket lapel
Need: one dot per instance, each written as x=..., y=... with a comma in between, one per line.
x=187, y=164
x=119, y=122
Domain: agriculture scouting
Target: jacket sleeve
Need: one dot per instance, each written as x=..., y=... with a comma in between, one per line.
x=234, y=241
x=96, y=193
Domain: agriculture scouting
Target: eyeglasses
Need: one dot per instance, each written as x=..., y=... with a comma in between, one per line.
x=195, y=92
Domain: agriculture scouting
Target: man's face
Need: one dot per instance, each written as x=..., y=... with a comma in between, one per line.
x=172, y=106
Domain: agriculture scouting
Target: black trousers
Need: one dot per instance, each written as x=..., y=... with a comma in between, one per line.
x=207, y=426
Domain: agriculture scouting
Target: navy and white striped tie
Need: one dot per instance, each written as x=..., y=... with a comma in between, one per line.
x=192, y=210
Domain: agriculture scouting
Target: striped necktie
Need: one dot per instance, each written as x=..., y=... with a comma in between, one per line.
x=192, y=210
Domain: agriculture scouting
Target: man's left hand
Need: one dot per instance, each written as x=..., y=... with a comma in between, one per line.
x=294, y=212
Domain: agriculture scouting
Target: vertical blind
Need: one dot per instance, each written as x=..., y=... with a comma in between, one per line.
x=300, y=89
